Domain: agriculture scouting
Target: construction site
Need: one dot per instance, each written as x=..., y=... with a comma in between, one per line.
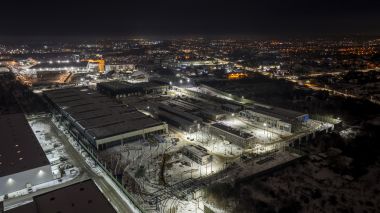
x=161, y=145
x=205, y=137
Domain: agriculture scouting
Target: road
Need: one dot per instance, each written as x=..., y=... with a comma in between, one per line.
x=110, y=193
x=313, y=87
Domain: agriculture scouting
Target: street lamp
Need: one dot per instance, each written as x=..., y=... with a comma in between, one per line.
x=41, y=173
x=10, y=181
x=266, y=131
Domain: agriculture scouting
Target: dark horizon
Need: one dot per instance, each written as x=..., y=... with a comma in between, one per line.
x=277, y=19
x=19, y=39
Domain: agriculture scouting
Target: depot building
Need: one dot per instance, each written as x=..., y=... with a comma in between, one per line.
x=23, y=162
x=100, y=121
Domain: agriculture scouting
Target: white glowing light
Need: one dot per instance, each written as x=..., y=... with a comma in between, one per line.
x=10, y=181
x=41, y=173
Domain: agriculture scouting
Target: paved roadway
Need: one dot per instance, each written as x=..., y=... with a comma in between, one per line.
x=79, y=162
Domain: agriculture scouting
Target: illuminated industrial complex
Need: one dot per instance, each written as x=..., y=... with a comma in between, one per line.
x=153, y=126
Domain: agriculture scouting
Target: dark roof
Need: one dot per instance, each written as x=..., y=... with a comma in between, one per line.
x=77, y=198
x=186, y=106
x=176, y=111
x=26, y=208
x=280, y=113
x=19, y=147
x=59, y=65
x=233, y=131
x=174, y=118
x=196, y=150
x=121, y=86
x=99, y=115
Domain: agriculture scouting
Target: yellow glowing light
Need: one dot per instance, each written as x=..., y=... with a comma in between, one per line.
x=237, y=75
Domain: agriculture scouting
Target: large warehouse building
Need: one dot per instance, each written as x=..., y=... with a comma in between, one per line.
x=179, y=118
x=78, y=198
x=274, y=117
x=121, y=89
x=235, y=136
x=98, y=120
x=23, y=163
x=64, y=66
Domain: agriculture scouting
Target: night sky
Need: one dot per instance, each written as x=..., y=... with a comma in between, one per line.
x=190, y=17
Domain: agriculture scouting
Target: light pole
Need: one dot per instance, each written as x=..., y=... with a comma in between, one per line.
x=191, y=171
x=266, y=131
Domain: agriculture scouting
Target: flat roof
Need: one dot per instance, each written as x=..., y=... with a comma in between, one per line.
x=26, y=208
x=19, y=148
x=196, y=151
x=77, y=198
x=59, y=65
x=232, y=106
x=99, y=115
x=123, y=85
x=182, y=104
x=231, y=130
x=212, y=111
x=175, y=118
x=276, y=112
x=177, y=111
